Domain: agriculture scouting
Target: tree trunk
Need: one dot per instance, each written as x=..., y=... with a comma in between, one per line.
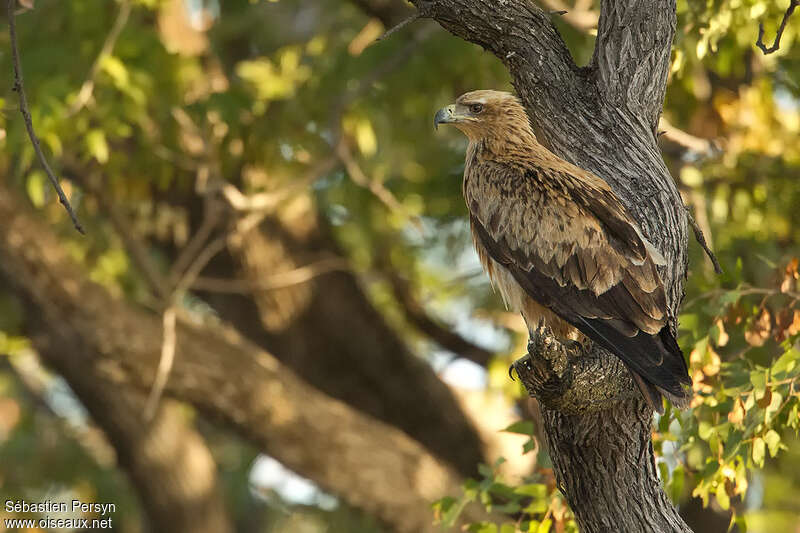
x=603, y=118
x=108, y=352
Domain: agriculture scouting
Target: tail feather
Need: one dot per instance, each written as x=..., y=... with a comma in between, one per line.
x=670, y=378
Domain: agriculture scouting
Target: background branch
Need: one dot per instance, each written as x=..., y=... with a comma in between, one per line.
x=19, y=88
x=776, y=44
x=220, y=373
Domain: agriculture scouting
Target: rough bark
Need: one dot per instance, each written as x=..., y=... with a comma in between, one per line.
x=603, y=118
x=370, y=464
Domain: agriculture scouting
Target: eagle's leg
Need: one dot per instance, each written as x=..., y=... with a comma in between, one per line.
x=545, y=370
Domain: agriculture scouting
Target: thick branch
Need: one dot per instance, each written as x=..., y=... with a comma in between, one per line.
x=368, y=463
x=604, y=120
x=518, y=32
x=632, y=55
x=598, y=433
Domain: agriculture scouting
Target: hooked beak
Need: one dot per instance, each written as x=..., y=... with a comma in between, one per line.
x=445, y=115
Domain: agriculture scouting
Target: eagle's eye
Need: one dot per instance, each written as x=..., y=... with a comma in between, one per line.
x=476, y=108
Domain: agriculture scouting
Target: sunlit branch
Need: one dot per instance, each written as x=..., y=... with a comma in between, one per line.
x=687, y=140
x=280, y=280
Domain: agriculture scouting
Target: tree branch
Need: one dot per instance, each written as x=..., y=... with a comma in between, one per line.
x=580, y=17
x=701, y=240
x=402, y=24
x=632, y=55
x=222, y=374
x=19, y=88
x=442, y=335
x=167, y=461
x=604, y=120
x=777, y=43
x=518, y=32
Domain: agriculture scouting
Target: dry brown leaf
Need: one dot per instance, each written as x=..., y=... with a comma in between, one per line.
x=787, y=323
x=766, y=399
x=711, y=362
x=790, y=276
x=737, y=414
x=794, y=327
x=723, y=338
x=759, y=330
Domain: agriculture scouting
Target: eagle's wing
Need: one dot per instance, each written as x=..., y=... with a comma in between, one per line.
x=573, y=248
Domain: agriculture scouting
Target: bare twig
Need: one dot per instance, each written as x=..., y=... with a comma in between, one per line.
x=87, y=88
x=26, y=115
x=374, y=186
x=156, y=283
x=266, y=201
x=164, y=363
x=280, y=280
x=200, y=261
x=777, y=43
x=701, y=240
x=708, y=147
x=581, y=17
x=400, y=26
x=211, y=219
x=441, y=334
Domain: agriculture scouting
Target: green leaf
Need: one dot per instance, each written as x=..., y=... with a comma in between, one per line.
x=37, y=181
x=676, y=484
x=482, y=527
x=786, y=362
x=773, y=440
x=732, y=444
x=447, y=510
x=545, y=526
x=534, y=490
x=705, y=430
x=775, y=403
x=508, y=508
x=529, y=446
x=723, y=498
x=97, y=145
x=758, y=378
x=523, y=427
x=502, y=490
x=759, y=449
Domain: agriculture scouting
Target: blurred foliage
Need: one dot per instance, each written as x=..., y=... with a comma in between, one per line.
x=255, y=94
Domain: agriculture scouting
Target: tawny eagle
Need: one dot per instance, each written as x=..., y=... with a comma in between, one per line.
x=561, y=247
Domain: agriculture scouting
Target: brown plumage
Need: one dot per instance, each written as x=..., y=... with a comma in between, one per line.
x=561, y=248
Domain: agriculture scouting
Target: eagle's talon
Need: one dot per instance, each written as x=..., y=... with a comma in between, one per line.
x=511, y=371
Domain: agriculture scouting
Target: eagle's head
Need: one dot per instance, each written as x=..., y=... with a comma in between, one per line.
x=485, y=113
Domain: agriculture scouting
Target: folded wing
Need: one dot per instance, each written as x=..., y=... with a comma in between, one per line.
x=573, y=248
